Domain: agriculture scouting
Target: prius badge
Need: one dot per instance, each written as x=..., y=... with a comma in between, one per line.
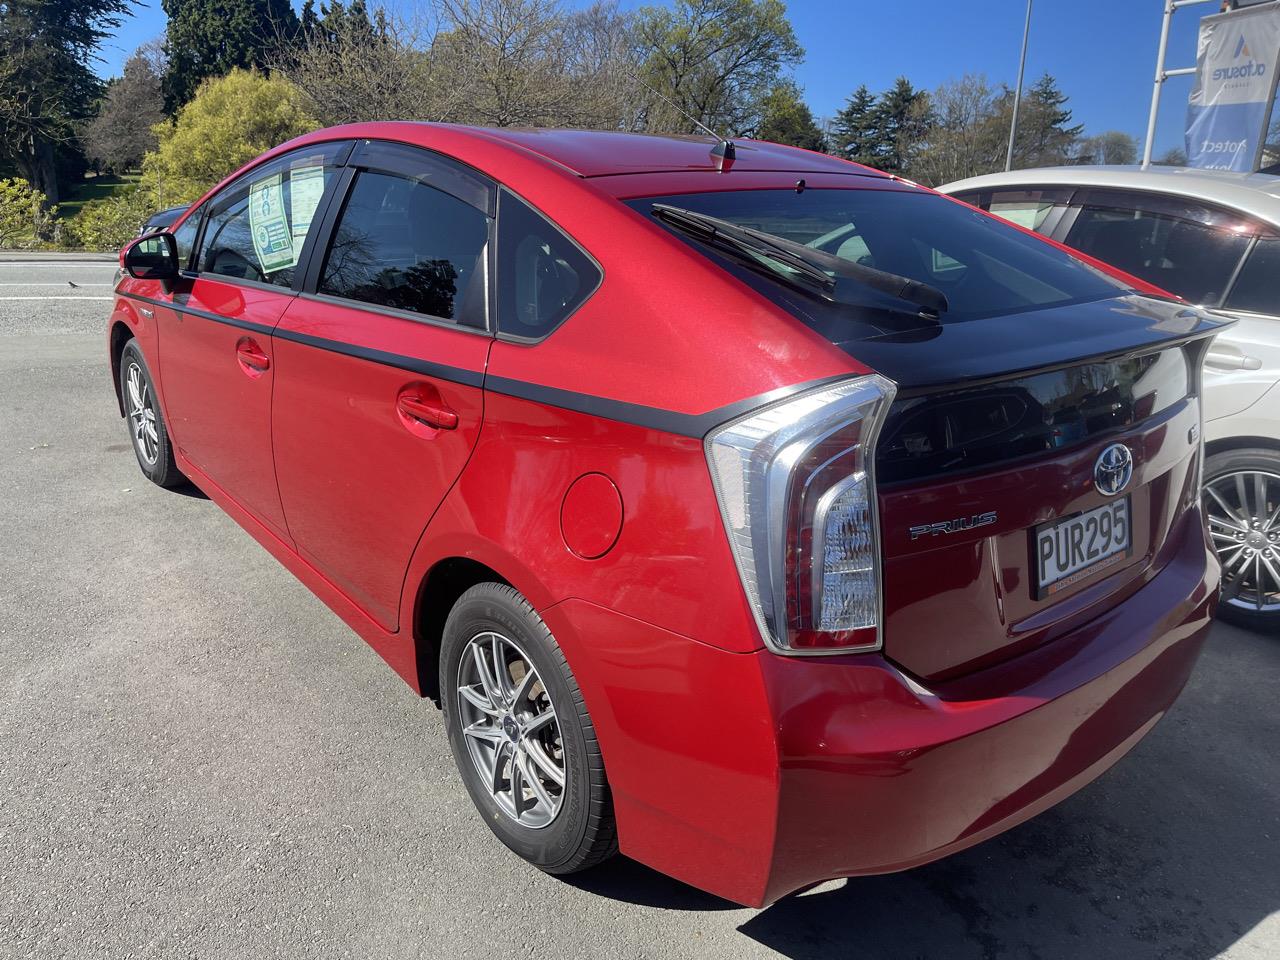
x=953, y=526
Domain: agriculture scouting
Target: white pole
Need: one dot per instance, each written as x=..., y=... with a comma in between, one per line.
x=1017, y=97
x=1159, y=81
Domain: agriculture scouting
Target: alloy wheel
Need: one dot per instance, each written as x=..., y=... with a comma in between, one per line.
x=1243, y=511
x=142, y=415
x=511, y=730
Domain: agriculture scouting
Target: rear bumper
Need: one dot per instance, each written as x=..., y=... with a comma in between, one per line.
x=753, y=775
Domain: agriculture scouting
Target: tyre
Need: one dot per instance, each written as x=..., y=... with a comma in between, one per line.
x=145, y=419
x=520, y=733
x=1242, y=506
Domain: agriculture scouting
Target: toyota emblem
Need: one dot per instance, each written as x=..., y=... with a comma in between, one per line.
x=1113, y=469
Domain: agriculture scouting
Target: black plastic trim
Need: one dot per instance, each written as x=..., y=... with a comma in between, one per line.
x=692, y=425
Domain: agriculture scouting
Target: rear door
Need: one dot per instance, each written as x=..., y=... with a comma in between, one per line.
x=380, y=364
x=1204, y=254
x=215, y=350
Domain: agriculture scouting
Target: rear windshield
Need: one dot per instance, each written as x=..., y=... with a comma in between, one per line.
x=982, y=265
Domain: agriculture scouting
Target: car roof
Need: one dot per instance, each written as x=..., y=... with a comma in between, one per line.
x=603, y=153
x=1256, y=194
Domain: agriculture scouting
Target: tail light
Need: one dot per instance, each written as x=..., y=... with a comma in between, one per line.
x=796, y=485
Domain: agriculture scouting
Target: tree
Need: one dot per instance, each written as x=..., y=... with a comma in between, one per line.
x=883, y=131
x=1111, y=146
x=208, y=38
x=968, y=134
x=529, y=62
x=713, y=60
x=122, y=133
x=348, y=69
x=856, y=128
x=47, y=89
x=228, y=122
x=1044, y=139
x=786, y=118
x=1174, y=157
x=902, y=122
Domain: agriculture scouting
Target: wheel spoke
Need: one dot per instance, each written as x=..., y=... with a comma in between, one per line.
x=1273, y=573
x=535, y=784
x=521, y=693
x=517, y=784
x=1244, y=497
x=484, y=731
x=478, y=700
x=499, y=756
x=538, y=721
x=544, y=762
x=501, y=672
x=1258, y=595
x=482, y=671
x=1243, y=524
x=1224, y=522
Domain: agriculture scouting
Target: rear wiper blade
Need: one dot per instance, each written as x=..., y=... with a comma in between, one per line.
x=814, y=266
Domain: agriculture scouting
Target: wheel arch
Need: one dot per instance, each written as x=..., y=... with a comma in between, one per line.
x=1224, y=444
x=447, y=580
x=121, y=334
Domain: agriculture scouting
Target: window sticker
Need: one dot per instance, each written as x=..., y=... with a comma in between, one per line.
x=306, y=187
x=272, y=241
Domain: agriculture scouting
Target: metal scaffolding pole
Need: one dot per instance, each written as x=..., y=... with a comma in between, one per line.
x=1162, y=74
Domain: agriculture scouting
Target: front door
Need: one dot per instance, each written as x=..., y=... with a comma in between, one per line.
x=216, y=350
x=378, y=396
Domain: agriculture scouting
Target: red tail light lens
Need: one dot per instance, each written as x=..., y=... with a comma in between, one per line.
x=796, y=486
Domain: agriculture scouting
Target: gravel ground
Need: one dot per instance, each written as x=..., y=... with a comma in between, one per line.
x=197, y=759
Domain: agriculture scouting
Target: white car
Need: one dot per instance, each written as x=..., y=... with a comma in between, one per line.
x=1213, y=238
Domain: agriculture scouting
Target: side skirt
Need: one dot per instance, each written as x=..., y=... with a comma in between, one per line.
x=395, y=648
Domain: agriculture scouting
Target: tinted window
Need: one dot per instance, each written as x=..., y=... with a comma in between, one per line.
x=983, y=266
x=256, y=227
x=1027, y=208
x=405, y=245
x=542, y=275
x=185, y=237
x=1184, y=248
x=1257, y=289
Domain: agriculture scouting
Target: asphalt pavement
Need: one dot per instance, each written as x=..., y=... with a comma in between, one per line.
x=197, y=759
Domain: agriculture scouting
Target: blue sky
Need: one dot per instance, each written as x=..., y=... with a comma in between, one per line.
x=1102, y=51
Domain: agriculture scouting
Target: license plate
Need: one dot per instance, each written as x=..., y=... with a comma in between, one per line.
x=1069, y=550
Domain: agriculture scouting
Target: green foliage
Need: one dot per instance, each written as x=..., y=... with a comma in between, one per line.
x=1044, y=137
x=229, y=122
x=786, y=118
x=110, y=223
x=47, y=88
x=883, y=131
x=208, y=38
x=716, y=60
x=24, y=220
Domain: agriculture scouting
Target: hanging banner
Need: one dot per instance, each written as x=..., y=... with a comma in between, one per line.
x=1235, y=86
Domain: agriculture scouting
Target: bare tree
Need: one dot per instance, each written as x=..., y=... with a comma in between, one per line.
x=354, y=70
x=967, y=136
x=121, y=134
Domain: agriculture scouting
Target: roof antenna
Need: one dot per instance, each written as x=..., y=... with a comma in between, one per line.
x=723, y=153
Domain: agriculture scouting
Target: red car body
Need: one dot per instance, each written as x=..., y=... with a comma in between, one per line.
x=577, y=473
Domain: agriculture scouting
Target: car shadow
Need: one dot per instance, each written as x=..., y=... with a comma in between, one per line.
x=1174, y=853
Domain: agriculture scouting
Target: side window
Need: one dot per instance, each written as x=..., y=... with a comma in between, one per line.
x=1183, y=247
x=402, y=244
x=1257, y=289
x=1036, y=208
x=543, y=276
x=256, y=227
x=185, y=237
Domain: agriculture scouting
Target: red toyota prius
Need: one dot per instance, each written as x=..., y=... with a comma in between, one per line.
x=765, y=517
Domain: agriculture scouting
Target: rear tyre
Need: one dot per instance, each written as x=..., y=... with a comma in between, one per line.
x=1242, y=507
x=146, y=421
x=520, y=733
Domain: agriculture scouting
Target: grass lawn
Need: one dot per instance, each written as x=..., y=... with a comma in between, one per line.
x=93, y=188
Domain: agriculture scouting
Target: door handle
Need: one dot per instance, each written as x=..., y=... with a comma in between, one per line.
x=432, y=413
x=253, y=360
x=1231, y=361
